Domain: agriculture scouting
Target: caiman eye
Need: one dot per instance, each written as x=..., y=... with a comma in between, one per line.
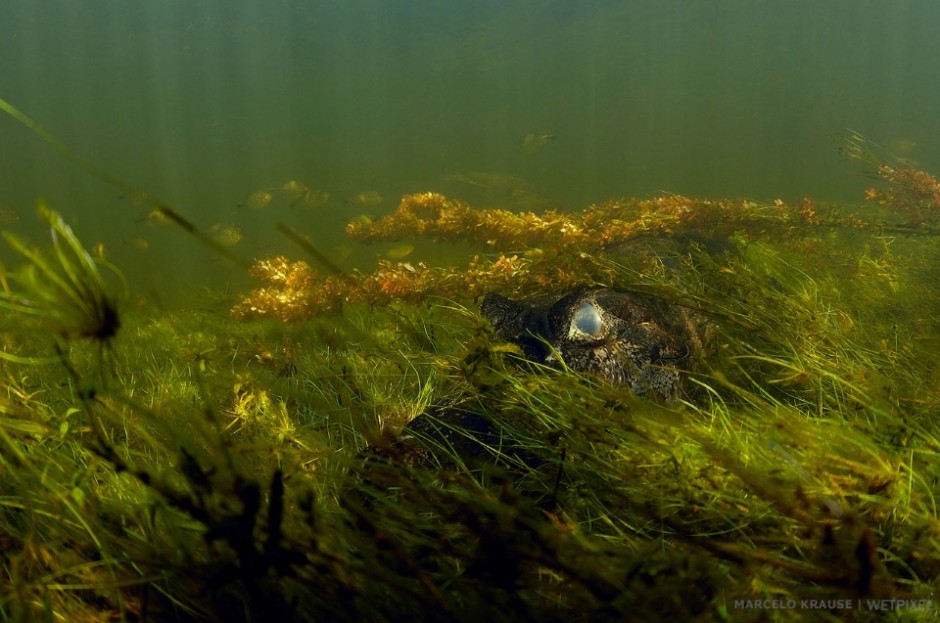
x=586, y=322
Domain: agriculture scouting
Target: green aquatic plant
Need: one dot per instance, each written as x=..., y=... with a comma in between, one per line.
x=242, y=471
x=66, y=288
x=221, y=475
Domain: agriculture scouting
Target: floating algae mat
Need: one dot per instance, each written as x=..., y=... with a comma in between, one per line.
x=167, y=466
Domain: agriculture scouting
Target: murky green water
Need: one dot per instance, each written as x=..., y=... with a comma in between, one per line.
x=203, y=103
x=744, y=427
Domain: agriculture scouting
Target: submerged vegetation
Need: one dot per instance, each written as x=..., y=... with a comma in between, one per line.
x=162, y=466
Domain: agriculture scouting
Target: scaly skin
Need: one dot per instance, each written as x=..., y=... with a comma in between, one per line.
x=631, y=339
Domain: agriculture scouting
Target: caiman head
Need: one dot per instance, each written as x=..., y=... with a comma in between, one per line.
x=631, y=339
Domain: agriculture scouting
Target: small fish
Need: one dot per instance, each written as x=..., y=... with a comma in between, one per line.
x=99, y=251
x=367, y=198
x=141, y=244
x=399, y=252
x=901, y=146
x=226, y=235
x=293, y=188
x=310, y=199
x=533, y=142
x=488, y=181
x=257, y=200
x=155, y=218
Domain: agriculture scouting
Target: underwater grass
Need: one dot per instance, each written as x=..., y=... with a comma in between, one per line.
x=172, y=466
x=213, y=470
